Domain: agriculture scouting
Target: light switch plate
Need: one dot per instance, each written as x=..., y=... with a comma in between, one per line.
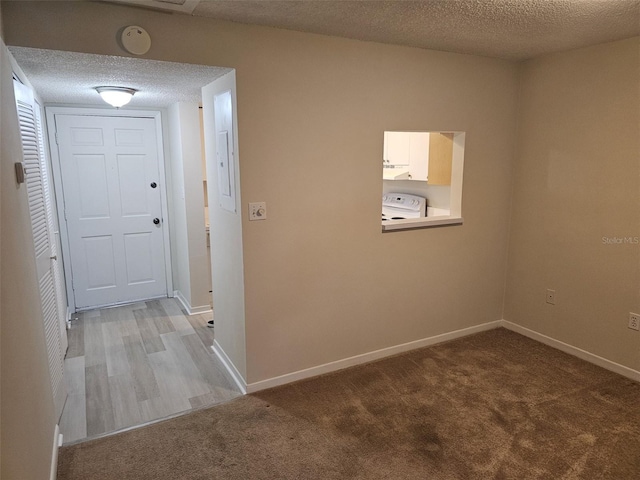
x=258, y=211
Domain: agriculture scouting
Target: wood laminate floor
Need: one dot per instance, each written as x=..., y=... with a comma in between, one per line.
x=133, y=364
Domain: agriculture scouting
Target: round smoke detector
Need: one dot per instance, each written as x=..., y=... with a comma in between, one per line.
x=136, y=40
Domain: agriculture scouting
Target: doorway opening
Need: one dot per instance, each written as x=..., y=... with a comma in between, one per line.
x=151, y=337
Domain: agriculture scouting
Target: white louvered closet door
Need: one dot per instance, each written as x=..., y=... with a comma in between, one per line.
x=54, y=236
x=41, y=222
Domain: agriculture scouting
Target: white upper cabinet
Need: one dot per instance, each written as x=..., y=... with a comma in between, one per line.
x=420, y=156
x=396, y=148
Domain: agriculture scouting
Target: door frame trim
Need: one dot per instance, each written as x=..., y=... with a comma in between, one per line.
x=156, y=115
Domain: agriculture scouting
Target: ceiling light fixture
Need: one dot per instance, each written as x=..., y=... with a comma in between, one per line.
x=116, y=96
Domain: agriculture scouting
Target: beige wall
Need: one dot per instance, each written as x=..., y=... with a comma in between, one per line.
x=227, y=266
x=26, y=403
x=577, y=180
x=322, y=282
x=188, y=237
x=178, y=215
x=194, y=193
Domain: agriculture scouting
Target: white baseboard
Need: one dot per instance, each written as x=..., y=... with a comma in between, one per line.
x=575, y=351
x=231, y=368
x=425, y=342
x=57, y=443
x=366, y=357
x=200, y=309
x=187, y=306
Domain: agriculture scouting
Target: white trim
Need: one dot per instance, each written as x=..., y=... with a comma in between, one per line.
x=231, y=368
x=164, y=193
x=51, y=112
x=201, y=309
x=187, y=306
x=188, y=6
x=177, y=294
x=409, y=223
x=120, y=304
x=575, y=351
x=57, y=443
x=367, y=357
x=425, y=342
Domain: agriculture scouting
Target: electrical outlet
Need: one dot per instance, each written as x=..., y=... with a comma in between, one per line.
x=551, y=296
x=634, y=321
x=258, y=211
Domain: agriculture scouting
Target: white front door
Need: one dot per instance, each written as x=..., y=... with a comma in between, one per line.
x=113, y=208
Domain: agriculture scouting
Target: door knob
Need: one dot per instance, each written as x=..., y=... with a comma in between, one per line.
x=156, y=221
x=154, y=184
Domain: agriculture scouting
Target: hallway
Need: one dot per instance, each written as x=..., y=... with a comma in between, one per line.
x=136, y=363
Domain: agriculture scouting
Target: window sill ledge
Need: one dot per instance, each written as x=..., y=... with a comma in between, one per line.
x=412, y=223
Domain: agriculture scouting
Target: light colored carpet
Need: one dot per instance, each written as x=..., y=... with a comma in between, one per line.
x=494, y=405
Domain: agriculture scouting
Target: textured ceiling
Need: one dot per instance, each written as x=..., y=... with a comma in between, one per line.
x=70, y=77
x=510, y=29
